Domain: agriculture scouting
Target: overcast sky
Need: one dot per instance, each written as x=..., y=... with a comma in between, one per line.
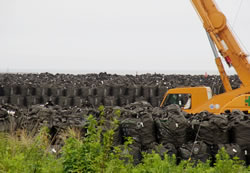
x=115, y=36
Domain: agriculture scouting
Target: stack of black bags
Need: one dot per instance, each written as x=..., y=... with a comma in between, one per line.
x=191, y=137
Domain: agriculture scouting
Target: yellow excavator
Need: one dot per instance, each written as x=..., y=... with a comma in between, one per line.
x=197, y=99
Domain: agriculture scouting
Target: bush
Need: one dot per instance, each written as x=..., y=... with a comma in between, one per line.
x=95, y=152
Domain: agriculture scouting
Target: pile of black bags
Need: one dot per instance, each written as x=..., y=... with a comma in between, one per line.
x=192, y=137
x=165, y=130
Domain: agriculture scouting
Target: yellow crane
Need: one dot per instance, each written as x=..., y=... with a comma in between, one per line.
x=197, y=99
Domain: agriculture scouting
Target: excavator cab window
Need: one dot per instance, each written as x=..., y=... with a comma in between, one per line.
x=183, y=100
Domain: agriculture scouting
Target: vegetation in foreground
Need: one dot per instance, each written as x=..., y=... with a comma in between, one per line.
x=95, y=153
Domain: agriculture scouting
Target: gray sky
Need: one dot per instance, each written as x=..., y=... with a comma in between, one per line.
x=116, y=36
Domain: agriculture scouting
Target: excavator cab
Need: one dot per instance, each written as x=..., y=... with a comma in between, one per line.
x=187, y=98
x=183, y=100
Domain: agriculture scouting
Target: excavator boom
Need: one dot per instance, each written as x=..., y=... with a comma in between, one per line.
x=215, y=24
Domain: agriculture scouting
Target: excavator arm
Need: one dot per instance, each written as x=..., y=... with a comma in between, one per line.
x=216, y=26
x=223, y=75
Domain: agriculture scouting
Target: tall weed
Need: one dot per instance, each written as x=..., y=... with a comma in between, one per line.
x=22, y=153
